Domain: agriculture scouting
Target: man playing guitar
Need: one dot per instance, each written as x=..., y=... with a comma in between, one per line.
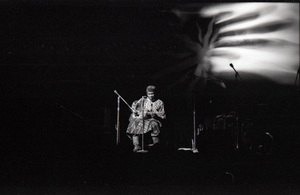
x=146, y=116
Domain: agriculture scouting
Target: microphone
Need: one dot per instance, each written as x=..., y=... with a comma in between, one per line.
x=144, y=97
x=115, y=91
x=231, y=65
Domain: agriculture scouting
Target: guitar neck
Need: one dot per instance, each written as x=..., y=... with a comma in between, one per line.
x=148, y=112
x=140, y=113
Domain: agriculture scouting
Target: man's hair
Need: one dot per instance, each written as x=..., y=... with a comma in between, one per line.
x=150, y=88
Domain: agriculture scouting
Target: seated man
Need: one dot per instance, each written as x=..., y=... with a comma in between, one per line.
x=145, y=118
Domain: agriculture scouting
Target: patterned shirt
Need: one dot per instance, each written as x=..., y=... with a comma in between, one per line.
x=139, y=126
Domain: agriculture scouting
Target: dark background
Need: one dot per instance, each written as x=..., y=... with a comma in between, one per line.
x=60, y=64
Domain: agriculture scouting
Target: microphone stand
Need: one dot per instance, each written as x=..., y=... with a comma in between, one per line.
x=118, y=116
x=235, y=107
x=115, y=91
x=118, y=122
x=298, y=73
x=142, y=150
x=193, y=149
x=237, y=76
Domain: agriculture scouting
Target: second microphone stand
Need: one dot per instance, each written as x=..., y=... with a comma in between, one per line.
x=237, y=146
x=193, y=149
x=297, y=77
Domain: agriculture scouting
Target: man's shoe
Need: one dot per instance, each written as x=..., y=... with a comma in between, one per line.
x=136, y=148
x=155, y=141
x=150, y=145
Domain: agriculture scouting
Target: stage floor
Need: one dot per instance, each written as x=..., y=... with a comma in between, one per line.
x=159, y=171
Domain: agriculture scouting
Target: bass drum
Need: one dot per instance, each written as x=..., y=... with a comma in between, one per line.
x=247, y=135
x=265, y=144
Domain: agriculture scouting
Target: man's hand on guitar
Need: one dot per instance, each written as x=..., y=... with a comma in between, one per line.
x=147, y=114
x=136, y=114
x=150, y=114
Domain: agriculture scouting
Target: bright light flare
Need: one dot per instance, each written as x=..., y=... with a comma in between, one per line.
x=258, y=38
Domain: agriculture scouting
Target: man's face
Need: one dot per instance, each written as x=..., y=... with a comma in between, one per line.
x=150, y=95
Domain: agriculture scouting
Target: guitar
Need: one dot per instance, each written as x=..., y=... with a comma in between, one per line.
x=138, y=114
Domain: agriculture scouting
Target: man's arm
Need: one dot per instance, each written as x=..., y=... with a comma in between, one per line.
x=161, y=110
